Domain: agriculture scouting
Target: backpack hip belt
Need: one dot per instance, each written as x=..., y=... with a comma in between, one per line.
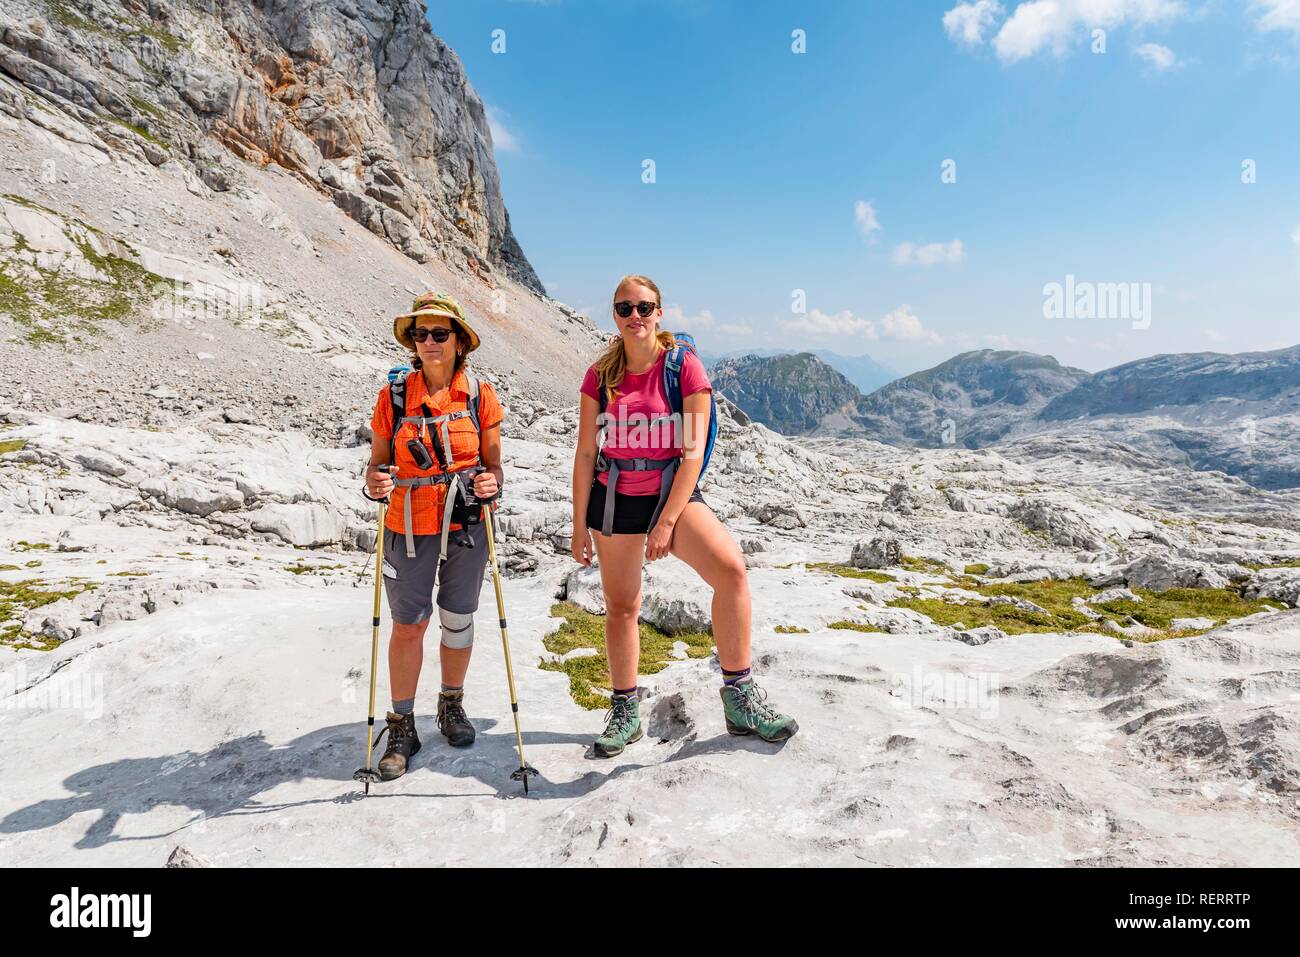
x=616, y=465
x=456, y=486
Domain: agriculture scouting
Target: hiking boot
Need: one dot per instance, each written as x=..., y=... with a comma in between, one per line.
x=452, y=721
x=747, y=712
x=623, y=726
x=403, y=743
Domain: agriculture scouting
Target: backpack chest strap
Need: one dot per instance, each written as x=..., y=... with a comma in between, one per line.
x=421, y=422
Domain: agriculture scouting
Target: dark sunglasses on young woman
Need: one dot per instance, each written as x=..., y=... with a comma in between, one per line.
x=643, y=308
x=439, y=334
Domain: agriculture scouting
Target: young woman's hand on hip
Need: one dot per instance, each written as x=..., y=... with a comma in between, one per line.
x=659, y=541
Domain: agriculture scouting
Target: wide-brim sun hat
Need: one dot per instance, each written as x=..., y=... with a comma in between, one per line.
x=434, y=304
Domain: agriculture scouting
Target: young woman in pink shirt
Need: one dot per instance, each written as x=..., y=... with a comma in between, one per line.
x=648, y=448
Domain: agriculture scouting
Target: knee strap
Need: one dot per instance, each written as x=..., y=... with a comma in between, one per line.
x=457, y=629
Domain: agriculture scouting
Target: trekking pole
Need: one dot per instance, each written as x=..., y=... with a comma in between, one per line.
x=368, y=775
x=525, y=769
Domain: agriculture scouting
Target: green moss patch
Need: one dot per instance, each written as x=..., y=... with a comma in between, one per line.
x=978, y=568
x=12, y=445
x=302, y=568
x=581, y=629
x=1293, y=563
x=848, y=571
x=138, y=130
x=927, y=566
x=18, y=598
x=1156, y=610
x=25, y=546
x=790, y=630
x=856, y=626
x=49, y=303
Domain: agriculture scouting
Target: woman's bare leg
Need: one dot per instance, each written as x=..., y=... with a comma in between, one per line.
x=405, y=658
x=703, y=542
x=620, y=559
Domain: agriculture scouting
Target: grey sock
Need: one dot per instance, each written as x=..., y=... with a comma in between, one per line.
x=453, y=687
x=405, y=706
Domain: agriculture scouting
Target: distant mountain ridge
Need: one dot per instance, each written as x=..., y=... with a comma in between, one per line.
x=866, y=373
x=792, y=394
x=1181, y=379
x=972, y=399
x=1239, y=414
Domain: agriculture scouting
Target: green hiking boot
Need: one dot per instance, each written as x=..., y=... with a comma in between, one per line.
x=623, y=726
x=747, y=712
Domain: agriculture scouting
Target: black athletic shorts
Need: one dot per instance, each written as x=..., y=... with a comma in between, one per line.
x=632, y=513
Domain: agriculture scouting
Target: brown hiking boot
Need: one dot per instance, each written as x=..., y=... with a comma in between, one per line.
x=403, y=742
x=452, y=721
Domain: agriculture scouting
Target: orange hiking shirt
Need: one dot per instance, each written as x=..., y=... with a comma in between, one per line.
x=426, y=507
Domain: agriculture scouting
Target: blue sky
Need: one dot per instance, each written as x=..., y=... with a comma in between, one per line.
x=820, y=171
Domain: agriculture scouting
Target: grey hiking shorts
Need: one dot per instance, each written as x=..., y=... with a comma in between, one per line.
x=409, y=582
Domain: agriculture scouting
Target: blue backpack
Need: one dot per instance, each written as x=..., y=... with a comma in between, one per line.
x=673, y=386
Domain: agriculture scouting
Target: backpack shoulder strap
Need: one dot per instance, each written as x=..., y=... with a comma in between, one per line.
x=471, y=382
x=397, y=399
x=673, y=377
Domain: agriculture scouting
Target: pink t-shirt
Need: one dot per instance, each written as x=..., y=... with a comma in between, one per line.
x=640, y=423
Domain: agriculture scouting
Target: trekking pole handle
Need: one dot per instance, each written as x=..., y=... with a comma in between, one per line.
x=387, y=470
x=481, y=499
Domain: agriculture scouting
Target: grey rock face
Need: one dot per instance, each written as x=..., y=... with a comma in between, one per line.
x=1161, y=573
x=779, y=516
x=1063, y=525
x=192, y=496
x=877, y=553
x=1283, y=586
x=980, y=636
x=357, y=98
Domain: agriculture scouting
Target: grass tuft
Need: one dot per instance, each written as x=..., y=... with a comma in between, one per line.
x=582, y=629
x=845, y=625
x=848, y=571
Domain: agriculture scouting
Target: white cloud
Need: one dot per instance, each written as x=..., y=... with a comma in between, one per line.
x=820, y=324
x=735, y=329
x=503, y=140
x=1278, y=15
x=1214, y=335
x=912, y=254
x=1038, y=25
x=967, y=22
x=864, y=214
x=901, y=324
x=1160, y=57
x=1295, y=236
x=675, y=319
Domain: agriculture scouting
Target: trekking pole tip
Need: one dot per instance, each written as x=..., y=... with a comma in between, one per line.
x=524, y=772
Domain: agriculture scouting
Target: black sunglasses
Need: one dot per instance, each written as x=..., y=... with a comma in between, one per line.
x=643, y=308
x=439, y=335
